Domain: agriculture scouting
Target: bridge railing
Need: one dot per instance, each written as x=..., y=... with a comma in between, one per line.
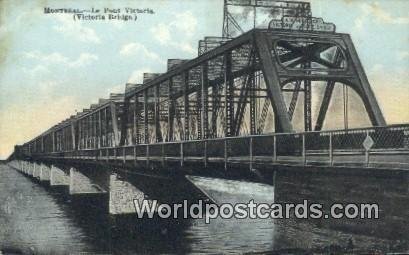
x=339, y=147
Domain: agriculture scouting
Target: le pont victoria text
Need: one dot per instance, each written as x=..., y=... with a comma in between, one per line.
x=124, y=14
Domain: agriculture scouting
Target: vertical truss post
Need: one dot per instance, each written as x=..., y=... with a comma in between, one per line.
x=74, y=140
x=96, y=131
x=86, y=132
x=251, y=154
x=185, y=84
x=145, y=116
x=89, y=131
x=331, y=150
x=82, y=133
x=147, y=155
x=304, y=153
x=135, y=129
x=182, y=155
x=59, y=142
x=125, y=118
x=114, y=124
x=275, y=148
x=205, y=158
x=99, y=129
x=134, y=156
x=83, y=141
x=205, y=107
x=345, y=101
x=226, y=154
x=307, y=102
x=94, y=135
x=106, y=126
x=62, y=141
x=252, y=99
x=67, y=142
x=53, y=138
x=171, y=110
x=158, y=136
x=198, y=114
x=228, y=98
x=215, y=108
x=79, y=142
x=307, y=106
x=367, y=151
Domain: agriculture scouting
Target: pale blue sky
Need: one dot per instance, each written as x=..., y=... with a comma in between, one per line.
x=50, y=65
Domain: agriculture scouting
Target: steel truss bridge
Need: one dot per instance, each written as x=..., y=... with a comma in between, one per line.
x=228, y=107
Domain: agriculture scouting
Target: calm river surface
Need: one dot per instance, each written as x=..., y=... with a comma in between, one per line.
x=38, y=219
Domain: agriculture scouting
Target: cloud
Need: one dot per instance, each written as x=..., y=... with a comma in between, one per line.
x=76, y=30
x=358, y=24
x=187, y=47
x=402, y=55
x=137, y=75
x=376, y=68
x=381, y=15
x=50, y=58
x=186, y=22
x=120, y=88
x=375, y=12
x=84, y=59
x=161, y=32
x=37, y=70
x=378, y=12
x=138, y=49
x=183, y=27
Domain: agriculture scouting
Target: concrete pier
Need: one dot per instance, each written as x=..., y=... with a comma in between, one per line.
x=30, y=169
x=45, y=173
x=122, y=195
x=58, y=177
x=81, y=184
x=36, y=170
x=233, y=191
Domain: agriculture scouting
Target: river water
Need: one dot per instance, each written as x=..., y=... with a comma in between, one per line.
x=38, y=219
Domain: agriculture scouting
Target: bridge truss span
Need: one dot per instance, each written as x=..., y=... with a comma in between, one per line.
x=222, y=103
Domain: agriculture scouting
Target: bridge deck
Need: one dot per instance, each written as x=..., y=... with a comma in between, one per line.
x=375, y=147
x=377, y=160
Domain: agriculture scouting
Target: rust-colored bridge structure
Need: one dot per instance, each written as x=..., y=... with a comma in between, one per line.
x=234, y=105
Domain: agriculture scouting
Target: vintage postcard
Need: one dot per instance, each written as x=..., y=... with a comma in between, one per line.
x=204, y=127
